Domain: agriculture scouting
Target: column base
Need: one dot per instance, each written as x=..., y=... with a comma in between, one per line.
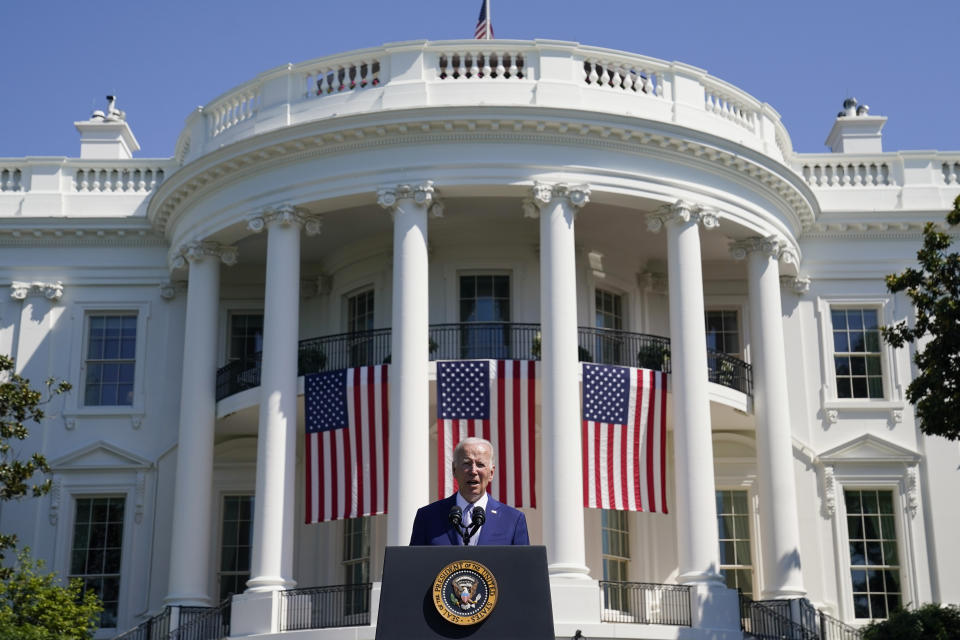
x=575, y=598
x=786, y=593
x=264, y=584
x=188, y=600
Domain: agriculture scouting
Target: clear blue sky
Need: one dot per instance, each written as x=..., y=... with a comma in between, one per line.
x=60, y=57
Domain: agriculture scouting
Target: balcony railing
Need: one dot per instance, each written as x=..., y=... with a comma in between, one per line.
x=345, y=605
x=645, y=603
x=792, y=619
x=480, y=340
x=204, y=623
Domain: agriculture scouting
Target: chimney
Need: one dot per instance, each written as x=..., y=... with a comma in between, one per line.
x=107, y=136
x=855, y=130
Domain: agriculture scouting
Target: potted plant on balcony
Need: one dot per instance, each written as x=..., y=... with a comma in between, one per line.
x=654, y=356
x=311, y=361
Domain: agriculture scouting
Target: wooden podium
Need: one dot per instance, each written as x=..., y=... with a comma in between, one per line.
x=414, y=579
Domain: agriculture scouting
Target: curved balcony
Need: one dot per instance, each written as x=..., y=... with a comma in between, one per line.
x=480, y=340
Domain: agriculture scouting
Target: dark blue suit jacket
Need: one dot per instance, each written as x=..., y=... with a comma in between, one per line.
x=504, y=525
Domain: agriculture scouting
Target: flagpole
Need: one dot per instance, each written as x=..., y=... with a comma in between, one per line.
x=489, y=20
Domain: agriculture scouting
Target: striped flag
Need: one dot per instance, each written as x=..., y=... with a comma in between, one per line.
x=347, y=424
x=624, y=438
x=484, y=30
x=492, y=399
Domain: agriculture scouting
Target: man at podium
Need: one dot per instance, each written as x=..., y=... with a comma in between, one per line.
x=471, y=509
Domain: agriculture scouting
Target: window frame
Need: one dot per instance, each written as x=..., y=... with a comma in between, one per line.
x=80, y=316
x=889, y=365
x=622, y=560
x=221, y=511
x=69, y=575
x=740, y=333
x=842, y=505
x=751, y=516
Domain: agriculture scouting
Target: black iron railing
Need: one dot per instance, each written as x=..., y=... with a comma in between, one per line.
x=203, y=623
x=645, y=603
x=792, y=619
x=500, y=340
x=155, y=628
x=346, y=605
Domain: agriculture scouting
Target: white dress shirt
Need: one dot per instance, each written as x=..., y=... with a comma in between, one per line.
x=468, y=513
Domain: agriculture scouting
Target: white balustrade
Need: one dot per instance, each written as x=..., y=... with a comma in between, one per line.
x=847, y=174
x=324, y=79
x=233, y=109
x=10, y=179
x=951, y=172
x=723, y=104
x=476, y=65
x=117, y=179
x=622, y=75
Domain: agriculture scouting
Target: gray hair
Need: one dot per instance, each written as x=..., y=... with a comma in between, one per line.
x=458, y=450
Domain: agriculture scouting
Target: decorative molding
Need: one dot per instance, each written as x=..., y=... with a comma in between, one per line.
x=285, y=215
x=324, y=284
x=682, y=212
x=200, y=250
x=770, y=246
x=140, y=493
x=423, y=194
x=543, y=193
x=829, y=492
x=136, y=421
x=896, y=416
x=170, y=196
x=832, y=416
x=52, y=291
x=170, y=289
x=59, y=236
x=56, y=489
x=69, y=423
x=798, y=284
x=913, y=491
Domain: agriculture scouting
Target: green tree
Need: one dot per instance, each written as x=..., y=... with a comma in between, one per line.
x=929, y=622
x=35, y=606
x=934, y=289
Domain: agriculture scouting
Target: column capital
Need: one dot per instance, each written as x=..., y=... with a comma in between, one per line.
x=52, y=291
x=196, y=251
x=285, y=215
x=423, y=194
x=771, y=246
x=682, y=212
x=543, y=193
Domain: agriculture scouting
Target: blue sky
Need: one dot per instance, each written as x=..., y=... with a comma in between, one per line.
x=162, y=59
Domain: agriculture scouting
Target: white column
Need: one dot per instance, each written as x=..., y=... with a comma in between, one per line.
x=409, y=475
x=190, y=561
x=562, y=484
x=271, y=567
x=780, y=531
x=697, y=535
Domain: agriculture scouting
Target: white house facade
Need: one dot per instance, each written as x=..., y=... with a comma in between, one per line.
x=425, y=201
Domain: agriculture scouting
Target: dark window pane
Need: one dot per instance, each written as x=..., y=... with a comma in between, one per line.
x=857, y=553
x=858, y=578
x=859, y=386
x=874, y=554
x=840, y=344
x=890, y=553
x=854, y=527
x=878, y=606
x=861, y=606
x=887, y=527
x=858, y=366
x=484, y=286
x=838, y=318
x=853, y=502
x=871, y=528
x=854, y=319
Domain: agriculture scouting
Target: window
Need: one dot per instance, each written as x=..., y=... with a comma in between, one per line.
x=97, y=549
x=874, y=559
x=733, y=518
x=246, y=337
x=723, y=332
x=608, y=349
x=360, y=320
x=236, y=542
x=485, y=298
x=111, y=359
x=856, y=353
x=615, y=531
x=356, y=563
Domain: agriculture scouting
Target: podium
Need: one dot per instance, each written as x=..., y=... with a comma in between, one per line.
x=419, y=581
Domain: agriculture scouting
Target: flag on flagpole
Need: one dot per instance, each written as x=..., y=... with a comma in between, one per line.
x=484, y=30
x=492, y=399
x=624, y=438
x=347, y=427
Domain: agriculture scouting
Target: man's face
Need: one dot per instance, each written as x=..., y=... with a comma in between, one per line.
x=473, y=471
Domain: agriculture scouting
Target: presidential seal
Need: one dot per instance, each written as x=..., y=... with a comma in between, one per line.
x=465, y=592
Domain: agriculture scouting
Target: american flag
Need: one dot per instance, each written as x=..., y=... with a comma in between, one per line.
x=483, y=23
x=624, y=438
x=492, y=399
x=347, y=427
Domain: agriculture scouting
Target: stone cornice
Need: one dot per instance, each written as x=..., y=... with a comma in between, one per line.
x=350, y=133
x=58, y=232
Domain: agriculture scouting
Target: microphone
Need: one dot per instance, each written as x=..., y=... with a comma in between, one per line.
x=478, y=517
x=455, y=517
